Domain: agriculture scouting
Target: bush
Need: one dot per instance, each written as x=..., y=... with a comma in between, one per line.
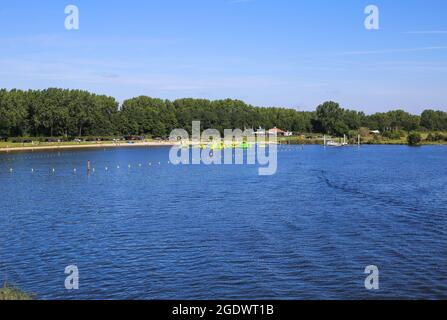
x=98, y=138
x=49, y=139
x=436, y=137
x=8, y=293
x=393, y=135
x=21, y=140
x=364, y=132
x=376, y=140
x=414, y=139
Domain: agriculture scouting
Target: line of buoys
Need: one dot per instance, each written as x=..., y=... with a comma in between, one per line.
x=37, y=156
x=92, y=169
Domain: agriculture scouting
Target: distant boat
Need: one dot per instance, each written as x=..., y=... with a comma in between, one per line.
x=332, y=143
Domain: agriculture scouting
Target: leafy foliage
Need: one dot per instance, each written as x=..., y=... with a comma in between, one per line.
x=434, y=120
x=75, y=113
x=414, y=139
x=13, y=294
x=436, y=137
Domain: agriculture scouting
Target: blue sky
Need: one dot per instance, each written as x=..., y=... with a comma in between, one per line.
x=266, y=52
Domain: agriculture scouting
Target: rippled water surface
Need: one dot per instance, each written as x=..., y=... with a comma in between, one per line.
x=222, y=232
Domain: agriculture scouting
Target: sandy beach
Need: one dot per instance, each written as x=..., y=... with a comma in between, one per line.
x=87, y=146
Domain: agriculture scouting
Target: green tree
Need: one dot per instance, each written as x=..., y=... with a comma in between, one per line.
x=13, y=113
x=434, y=120
x=58, y=112
x=414, y=139
x=330, y=118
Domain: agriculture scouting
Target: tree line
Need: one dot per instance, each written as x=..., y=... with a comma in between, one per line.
x=75, y=113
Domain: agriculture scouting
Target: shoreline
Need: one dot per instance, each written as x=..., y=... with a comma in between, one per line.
x=87, y=146
x=159, y=144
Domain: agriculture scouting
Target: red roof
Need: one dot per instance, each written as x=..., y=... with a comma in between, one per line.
x=276, y=130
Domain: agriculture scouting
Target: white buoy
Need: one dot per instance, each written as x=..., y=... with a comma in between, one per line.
x=107, y=169
x=74, y=170
x=32, y=170
x=54, y=170
x=11, y=170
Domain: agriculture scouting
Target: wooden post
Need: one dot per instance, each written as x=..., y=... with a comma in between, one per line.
x=88, y=167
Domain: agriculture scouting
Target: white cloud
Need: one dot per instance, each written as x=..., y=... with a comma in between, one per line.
x=385, y=51
x=427, y=32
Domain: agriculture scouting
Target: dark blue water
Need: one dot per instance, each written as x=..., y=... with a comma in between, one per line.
x=223, y=232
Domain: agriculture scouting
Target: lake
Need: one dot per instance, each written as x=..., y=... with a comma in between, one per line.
x=161, y=231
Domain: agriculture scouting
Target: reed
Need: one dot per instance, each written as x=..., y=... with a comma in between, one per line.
x=12, y=293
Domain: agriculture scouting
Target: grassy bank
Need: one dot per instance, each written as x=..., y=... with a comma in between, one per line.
x=18, y=146
x=305, y=139
x=12, y=293
x=427, y=138
x=49, y=144
x=402, y=139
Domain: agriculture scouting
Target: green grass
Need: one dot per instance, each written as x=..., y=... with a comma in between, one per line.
x=48, y=144
x=12, y=293
x=310, y=139
x=371, y=139
x=9, y=144
x=402, y=140
x=299, y=140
